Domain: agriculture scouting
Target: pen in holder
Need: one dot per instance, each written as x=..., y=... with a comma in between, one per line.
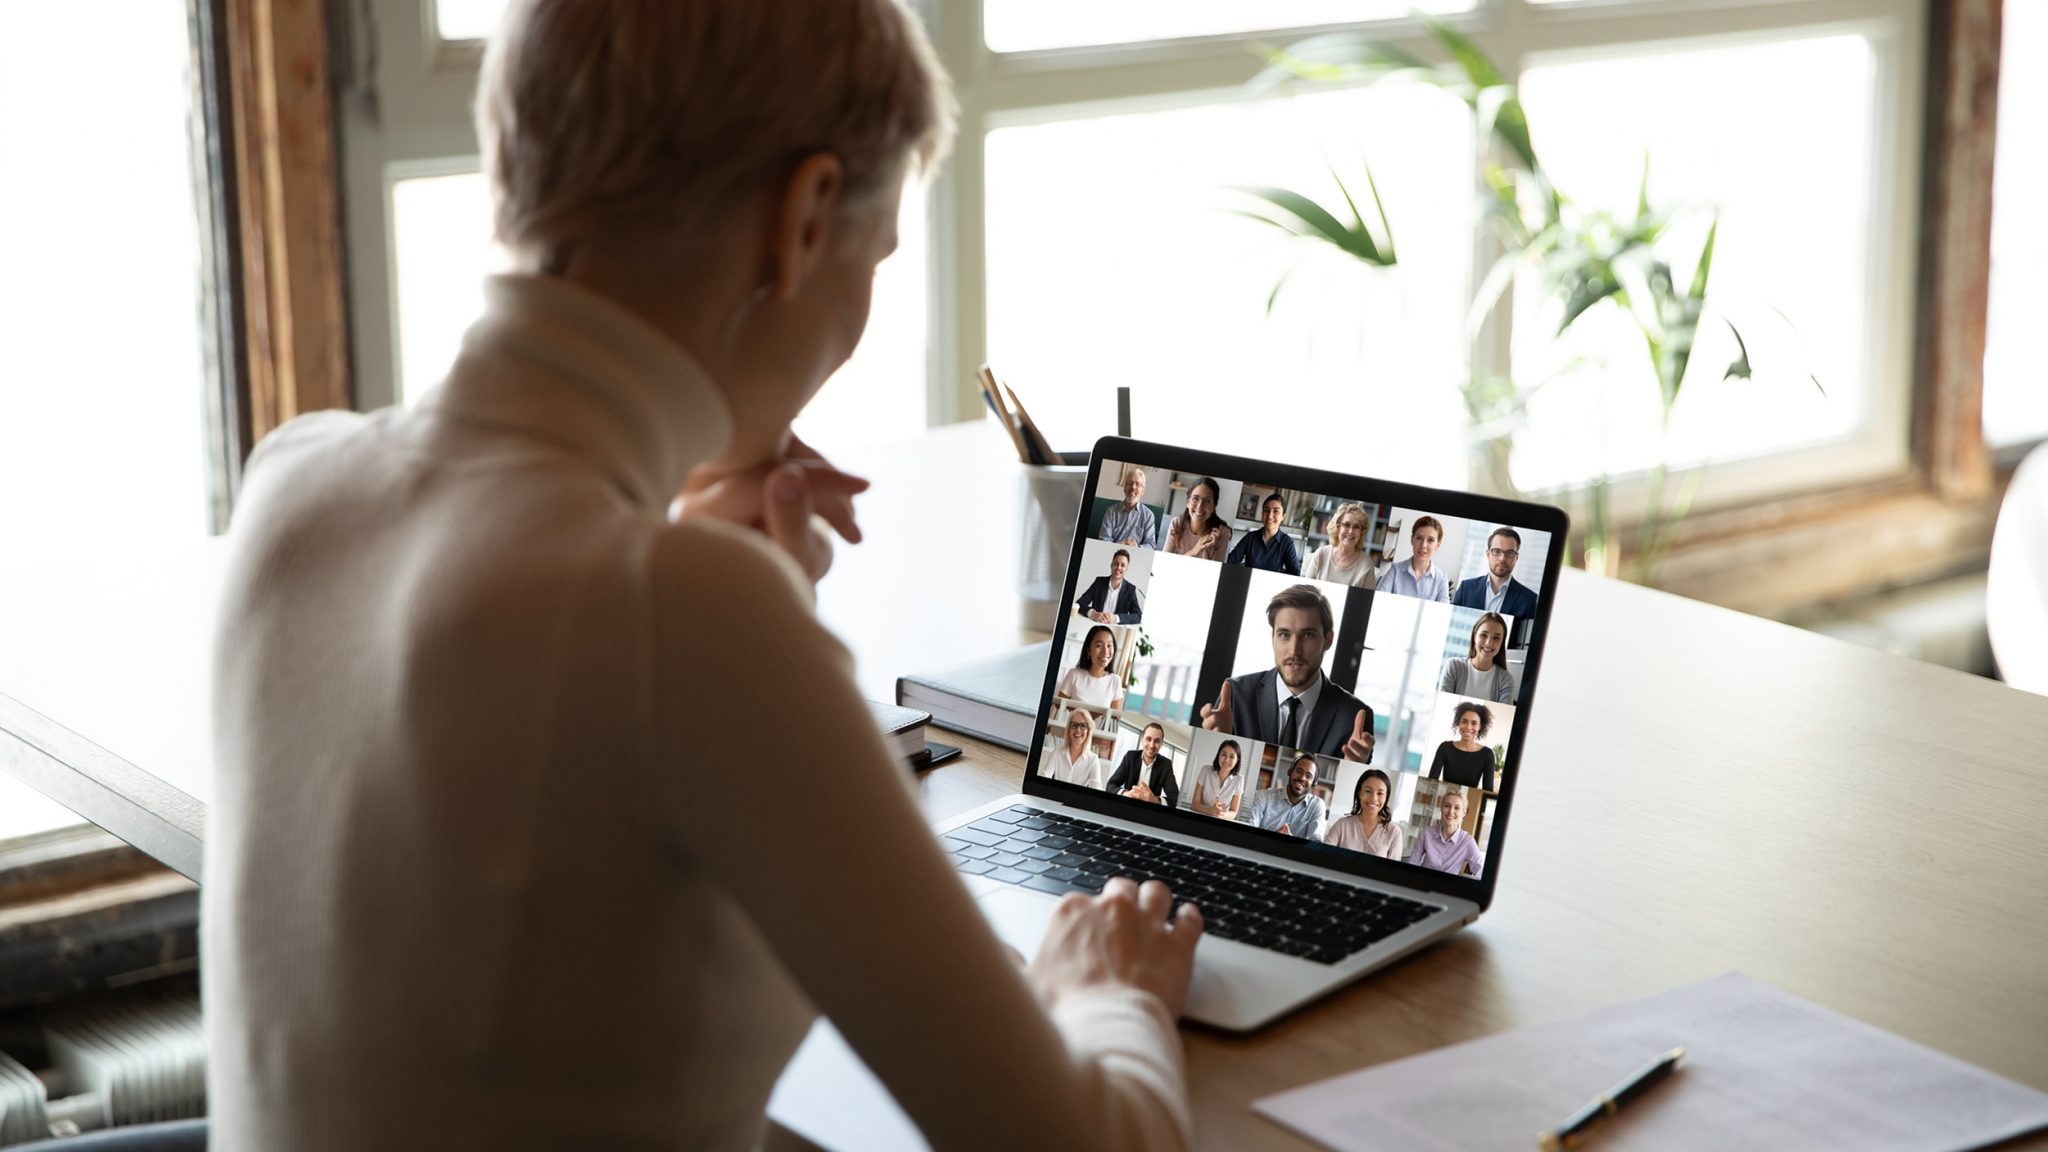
x=1052, y=495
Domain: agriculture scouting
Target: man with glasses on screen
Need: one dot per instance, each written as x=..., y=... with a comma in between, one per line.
x=1499, y=591
x=1293, y=704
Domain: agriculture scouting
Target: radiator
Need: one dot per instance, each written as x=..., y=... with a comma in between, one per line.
x=23, y=1114
x=108, y=1066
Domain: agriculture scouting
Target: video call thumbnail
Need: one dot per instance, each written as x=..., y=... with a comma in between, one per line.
x=1311, y=666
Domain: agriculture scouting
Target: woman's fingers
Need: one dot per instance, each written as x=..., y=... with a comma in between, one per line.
x=737, y=496
x=1154, y=900
x=1120, y=888
x=786, y=516
x=832, y=493
x=779, y=501
x=1130, y=936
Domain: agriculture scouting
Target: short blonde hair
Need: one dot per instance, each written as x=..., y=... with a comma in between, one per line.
x=652, y=115
x=1364, y=521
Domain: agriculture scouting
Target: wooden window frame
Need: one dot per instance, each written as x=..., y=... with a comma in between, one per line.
x=287, y=214
x=275, y=338
x=1936, y=520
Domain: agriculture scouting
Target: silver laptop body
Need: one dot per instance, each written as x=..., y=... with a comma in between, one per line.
x=1392, y=649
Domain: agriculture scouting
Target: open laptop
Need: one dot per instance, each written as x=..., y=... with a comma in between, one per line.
x=1346, y=801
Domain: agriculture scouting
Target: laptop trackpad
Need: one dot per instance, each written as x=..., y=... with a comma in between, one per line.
x=1019, y=917
x=1215, y=994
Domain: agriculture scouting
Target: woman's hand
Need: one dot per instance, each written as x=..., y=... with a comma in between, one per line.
x=778, y=498
x=1120, y=939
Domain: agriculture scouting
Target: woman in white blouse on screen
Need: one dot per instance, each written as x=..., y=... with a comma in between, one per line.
x=1090, y=680
x=1219, y=788
x=1343, y=559
x=473, y=684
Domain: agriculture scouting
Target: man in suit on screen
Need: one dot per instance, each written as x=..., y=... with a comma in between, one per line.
x=1498, y=590
x=1293, y=704
x=1112, y=599
x=1146, y=773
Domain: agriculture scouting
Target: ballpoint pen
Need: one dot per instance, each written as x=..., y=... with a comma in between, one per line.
x=1573, y=1131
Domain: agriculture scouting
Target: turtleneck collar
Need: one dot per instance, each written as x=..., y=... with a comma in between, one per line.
x=566, y=365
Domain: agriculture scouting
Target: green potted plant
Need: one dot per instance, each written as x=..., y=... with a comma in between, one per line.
x=1581, y=260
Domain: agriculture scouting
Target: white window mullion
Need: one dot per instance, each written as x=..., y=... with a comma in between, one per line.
x=958, y=301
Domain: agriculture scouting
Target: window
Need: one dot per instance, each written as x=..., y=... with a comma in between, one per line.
x=1107, y=257
x=1113, y=258
x=2015, y=390
x=442, y=249
x=105, y=385
x=1777, y=138
x=107, y=239
x=458, y=20
x=1089, y=239
x=1040, y=25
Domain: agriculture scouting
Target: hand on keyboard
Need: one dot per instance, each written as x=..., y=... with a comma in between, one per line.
x=1130, y=936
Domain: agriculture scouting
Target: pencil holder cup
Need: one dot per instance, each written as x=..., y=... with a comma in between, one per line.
x=1052, y=496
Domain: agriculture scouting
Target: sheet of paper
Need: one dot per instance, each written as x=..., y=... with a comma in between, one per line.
x=827, y=1096
x=1763, y=1070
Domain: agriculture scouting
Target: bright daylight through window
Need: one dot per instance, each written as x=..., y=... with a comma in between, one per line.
x=441, y=233
x=1099, y=242
x=1115, y=257
x=2015, y=385
x=1776, y=140
x=1035, y=25
x=102, y=383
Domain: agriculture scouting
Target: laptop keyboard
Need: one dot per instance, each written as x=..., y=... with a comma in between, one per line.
x=1256, y=904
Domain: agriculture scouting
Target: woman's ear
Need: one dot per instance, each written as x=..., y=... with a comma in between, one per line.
x=802, y=229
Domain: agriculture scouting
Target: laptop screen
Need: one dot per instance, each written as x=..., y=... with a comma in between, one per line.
x=1311, y=664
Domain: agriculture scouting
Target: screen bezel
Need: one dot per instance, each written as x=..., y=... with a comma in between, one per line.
x=1464, y=505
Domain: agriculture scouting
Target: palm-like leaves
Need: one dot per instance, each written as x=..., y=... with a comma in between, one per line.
x=1297, y=215
x=1581, y=259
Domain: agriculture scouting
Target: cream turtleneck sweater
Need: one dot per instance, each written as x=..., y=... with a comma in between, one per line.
x=475, y=877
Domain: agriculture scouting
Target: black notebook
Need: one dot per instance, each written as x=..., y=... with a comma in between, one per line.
x=905, y=728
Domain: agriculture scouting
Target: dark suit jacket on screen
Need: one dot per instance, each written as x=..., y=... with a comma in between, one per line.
x=1520, y=601
x=1161, y=783
x=1126, y=610
x=1255, y=713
